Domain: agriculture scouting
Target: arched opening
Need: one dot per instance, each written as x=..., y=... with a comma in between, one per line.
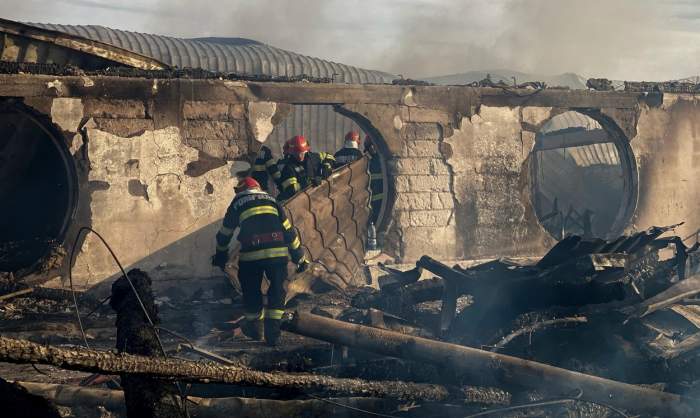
x=325, y=127
x=583, y=177
x=37, y=187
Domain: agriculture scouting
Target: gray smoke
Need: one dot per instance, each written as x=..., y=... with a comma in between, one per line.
x=625, y=39
x=619, y=39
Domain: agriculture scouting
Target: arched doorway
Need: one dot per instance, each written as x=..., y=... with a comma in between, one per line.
x=38, y=187
x=325, y=127
x=583, y=177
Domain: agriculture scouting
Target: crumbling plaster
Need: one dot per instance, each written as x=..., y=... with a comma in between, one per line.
x=147, y=203
x=457, y=156
x=667, y=151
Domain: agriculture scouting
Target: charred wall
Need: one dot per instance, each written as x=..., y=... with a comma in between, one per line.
x=667, y=149
x=159, y=157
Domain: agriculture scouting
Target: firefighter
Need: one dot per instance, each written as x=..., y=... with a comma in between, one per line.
x=303, y=167
x=282, y=162
x=267, y=240
x=350, y=151
x=265, y=168
x=376, y=184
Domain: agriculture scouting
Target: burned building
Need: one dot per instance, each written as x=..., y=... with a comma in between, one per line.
x=110, y=130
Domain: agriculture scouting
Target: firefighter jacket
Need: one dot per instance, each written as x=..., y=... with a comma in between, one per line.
x=265, y=168
x=266, y=234
x=347, y=155
x=297, y=175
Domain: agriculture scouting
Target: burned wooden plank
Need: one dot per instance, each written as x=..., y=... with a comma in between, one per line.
x=82, y=359
x=397, y=278
x=679, y=291
x=402, y=298
x=505, y=369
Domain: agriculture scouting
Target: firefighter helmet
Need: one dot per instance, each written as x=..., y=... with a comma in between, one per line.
x=285, y=148
x=246, y=183
x=298, y=147
x=353, y=136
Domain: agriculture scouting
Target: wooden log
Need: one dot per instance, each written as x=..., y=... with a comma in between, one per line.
x=113, y=400
x=82, y=359
x=16, y=293
x=506, y=369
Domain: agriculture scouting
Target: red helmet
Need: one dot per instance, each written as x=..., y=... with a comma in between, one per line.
x=353, y=136
x=298, y=146
x=246, y=183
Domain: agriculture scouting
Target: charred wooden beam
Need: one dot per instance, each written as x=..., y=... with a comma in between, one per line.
x=113, y=400
x=442, y=270
x=82, y=359
x=505, y=369
x=400, y=299
x=676, y=293
x=397, y=278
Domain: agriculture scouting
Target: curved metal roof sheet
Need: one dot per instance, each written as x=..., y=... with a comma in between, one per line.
x=238, y=55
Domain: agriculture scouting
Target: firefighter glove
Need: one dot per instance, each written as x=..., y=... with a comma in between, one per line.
x=219, y=259
x=303, y=265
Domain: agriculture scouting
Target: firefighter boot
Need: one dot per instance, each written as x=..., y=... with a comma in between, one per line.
x=252, y=329
x=272, y=331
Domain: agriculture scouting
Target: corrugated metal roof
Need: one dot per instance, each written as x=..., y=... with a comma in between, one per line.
x=223, y=54
x=324, y=127
x=570, y=119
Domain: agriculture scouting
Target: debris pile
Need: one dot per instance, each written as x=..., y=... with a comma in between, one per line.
x=594, y=328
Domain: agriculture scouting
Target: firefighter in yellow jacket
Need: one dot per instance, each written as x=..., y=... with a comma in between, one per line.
x=267, y=240
x=303, y=167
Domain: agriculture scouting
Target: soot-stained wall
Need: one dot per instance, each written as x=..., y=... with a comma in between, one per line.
x=158, y=158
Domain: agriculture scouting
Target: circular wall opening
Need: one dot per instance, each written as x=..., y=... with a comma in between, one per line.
x=583, y=177
x=37, y=187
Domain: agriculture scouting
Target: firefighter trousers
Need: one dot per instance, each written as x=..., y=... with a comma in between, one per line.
x=250, y=275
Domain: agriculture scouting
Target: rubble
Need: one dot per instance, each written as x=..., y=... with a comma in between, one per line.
x=503, y=369
x=591, y=327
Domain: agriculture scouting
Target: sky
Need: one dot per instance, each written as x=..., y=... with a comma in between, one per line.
x=616, y=39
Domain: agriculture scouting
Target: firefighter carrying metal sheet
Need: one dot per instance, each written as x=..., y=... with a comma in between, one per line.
x=350, y=151
x=303, y=167
x=267, y=239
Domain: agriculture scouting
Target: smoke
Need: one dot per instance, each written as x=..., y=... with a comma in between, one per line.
x=619, y=39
